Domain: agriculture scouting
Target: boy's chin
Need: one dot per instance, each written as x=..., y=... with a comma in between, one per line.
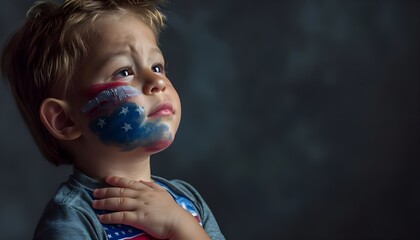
x=158, y=146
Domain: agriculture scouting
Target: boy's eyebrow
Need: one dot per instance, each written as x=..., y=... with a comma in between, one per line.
x=156, y=50
x=125, y=52
x=109, y=56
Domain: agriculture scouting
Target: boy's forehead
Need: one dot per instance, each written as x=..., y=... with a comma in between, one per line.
x=129, y=24
x=118, y=33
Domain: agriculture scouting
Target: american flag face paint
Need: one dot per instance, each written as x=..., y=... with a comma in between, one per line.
x=126, y=127
x=109, y=95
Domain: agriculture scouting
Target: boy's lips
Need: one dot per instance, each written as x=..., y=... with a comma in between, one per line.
x=163, y=109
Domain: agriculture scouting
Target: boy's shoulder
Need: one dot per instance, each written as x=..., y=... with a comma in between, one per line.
x=69, y=214
x=70, y=194
x=75, y=193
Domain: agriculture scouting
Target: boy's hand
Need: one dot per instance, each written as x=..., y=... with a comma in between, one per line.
x=146, y=206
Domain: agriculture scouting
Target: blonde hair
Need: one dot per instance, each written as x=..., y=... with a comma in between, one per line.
x=40, y=59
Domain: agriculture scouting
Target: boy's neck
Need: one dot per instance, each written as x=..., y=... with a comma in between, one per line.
x=135, y=169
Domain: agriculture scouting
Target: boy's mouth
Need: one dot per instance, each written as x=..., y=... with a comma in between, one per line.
x=163, y=109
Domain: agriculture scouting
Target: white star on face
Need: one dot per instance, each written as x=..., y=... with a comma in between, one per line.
x=101, y=122
x=126, y=127
x=140, y=110
x=124, y=111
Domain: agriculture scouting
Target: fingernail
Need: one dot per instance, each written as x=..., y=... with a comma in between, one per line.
x=95, y=192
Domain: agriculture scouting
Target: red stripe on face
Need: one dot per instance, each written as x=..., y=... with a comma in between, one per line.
x=95, y=89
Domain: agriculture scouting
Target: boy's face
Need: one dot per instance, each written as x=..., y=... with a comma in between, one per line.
x=123, y=96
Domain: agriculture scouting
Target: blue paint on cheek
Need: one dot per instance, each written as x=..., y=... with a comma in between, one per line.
x=125, y=127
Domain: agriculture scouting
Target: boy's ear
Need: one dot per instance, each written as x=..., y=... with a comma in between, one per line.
x=55, y=115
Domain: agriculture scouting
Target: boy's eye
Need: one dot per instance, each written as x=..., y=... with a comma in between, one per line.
x=122, y=73
x=158, y=68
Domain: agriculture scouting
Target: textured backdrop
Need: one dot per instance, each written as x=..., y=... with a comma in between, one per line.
x=300, y=119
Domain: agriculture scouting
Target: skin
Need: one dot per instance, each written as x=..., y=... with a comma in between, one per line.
x=126, y=51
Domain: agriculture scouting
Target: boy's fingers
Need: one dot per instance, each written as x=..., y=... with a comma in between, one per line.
x=124, y=183
x=116, y=204
x=126, y=218
x=114, y=192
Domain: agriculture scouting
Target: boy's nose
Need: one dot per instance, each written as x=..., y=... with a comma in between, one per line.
x=153, y=83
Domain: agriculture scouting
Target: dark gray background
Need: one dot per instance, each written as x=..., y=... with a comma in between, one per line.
x=300, y=119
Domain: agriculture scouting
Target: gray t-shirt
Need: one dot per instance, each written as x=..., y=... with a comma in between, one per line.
x=69, y=214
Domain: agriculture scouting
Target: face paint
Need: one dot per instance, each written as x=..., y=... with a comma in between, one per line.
x=126, y=127
x=108, y=97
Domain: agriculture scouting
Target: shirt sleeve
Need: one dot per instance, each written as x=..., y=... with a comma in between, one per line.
x=65, y=223
x=207, y=217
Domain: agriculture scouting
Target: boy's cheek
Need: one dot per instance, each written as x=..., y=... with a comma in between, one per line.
x=119, y=122
x=126, y=127
x=107, y=98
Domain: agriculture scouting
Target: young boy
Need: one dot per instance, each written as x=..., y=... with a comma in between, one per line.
x=89, y=79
